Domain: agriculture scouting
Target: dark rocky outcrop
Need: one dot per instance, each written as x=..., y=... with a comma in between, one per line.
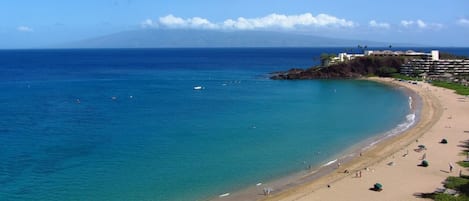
x=362, y=66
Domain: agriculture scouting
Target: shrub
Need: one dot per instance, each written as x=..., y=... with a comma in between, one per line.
x=463, y=163
x=460, y=89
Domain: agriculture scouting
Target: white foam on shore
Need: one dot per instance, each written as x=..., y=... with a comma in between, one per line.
x=409, y=122
x=329, y=163
x=410, y=102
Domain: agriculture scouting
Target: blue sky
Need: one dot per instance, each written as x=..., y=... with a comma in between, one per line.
x=35, y=23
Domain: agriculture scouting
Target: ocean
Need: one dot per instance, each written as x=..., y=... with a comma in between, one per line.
x=127, y=124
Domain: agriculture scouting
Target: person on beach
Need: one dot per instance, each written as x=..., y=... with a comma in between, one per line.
x=450, y=167
x=267, y=191
x=424, y=156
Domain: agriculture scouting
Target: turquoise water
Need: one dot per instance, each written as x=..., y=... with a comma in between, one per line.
x=127, y=124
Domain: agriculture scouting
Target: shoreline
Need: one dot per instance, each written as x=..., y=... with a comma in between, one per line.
x=394, y=163
x=327, y=172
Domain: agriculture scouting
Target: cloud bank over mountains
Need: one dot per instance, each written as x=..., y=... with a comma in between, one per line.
x=270, y=21
x=285, y=22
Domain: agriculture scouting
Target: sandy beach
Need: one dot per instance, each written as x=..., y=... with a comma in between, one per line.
x=394, y=162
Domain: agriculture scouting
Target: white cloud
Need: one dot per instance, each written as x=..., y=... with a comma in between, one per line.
x=287, y=22
x=463, y=21
x=407, y=23
x=437, y=26
x=241, y=23
x=420, y=24
x=197, y=22
x=383, y=25
x=172, y=21
x=148, y=23
x=24, y=29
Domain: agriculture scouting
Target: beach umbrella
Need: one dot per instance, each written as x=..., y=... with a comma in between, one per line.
x=378, y=186
x=424, y=163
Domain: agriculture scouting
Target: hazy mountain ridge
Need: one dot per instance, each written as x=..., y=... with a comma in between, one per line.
x=180, y=38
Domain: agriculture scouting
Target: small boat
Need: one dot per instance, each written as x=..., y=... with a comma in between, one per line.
x=198, y=88
x=224, y=195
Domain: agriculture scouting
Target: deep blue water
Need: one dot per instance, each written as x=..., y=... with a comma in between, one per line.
x=127, y=125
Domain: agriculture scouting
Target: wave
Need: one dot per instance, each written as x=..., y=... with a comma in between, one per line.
x=409, y=122
x=410, y=102
x=330, y=162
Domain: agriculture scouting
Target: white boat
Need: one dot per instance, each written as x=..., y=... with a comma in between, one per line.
x=198, y=88
x=224, y=195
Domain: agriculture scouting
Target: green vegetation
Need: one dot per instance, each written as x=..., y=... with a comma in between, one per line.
x=458, y=183
x=326, y=58
x=463, y=163
x=461, y=184
x=447, y=197
x=386, y=71
x=460, y=89
x=379, y=66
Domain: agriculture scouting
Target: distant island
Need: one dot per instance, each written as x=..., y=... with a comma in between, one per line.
x=190, y=38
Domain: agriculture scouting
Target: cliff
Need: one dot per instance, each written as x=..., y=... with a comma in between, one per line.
x=362, y=66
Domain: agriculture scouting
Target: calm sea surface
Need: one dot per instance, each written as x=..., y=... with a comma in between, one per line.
x=125, y=125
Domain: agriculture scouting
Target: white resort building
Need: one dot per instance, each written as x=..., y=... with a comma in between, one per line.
x=436, y=68
x=424, y=64
x=433, y=55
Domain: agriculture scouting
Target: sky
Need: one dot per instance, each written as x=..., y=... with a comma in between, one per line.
x=37, y=23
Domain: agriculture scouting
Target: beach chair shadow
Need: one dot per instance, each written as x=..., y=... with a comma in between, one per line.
x=425, y=195
x=429, y=195
x=444, y=171
x=374, y=189
x=424, y=163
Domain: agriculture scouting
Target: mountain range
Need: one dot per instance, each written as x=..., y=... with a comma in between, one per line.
x=190, y=38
